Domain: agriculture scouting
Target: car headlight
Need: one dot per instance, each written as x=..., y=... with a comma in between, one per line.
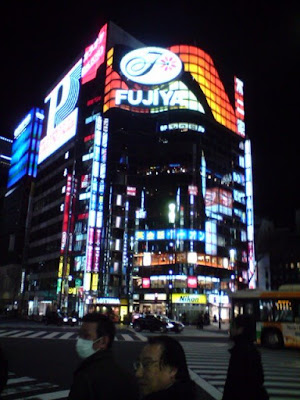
x=65, y=319
x=169, y=325
x=74, y=319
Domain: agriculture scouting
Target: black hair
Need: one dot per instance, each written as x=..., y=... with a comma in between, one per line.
x=172, y=355
x=105, y=326
x=246, y=322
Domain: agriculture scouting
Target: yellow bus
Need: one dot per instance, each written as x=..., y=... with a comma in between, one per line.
x=276, y=313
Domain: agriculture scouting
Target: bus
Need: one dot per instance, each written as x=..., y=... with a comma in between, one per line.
x=276, y=314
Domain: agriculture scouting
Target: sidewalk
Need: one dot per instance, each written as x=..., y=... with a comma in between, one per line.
x=211, y=330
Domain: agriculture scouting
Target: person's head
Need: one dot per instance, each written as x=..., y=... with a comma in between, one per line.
x=96, y=333
x=161, y=362
x=243, y=327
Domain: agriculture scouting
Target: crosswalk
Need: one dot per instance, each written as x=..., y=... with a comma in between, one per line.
x=207, y=362
x=27, y=388
x=208, y=366
x=60, y=335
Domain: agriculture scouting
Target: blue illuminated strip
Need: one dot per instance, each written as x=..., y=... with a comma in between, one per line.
x=171, y=234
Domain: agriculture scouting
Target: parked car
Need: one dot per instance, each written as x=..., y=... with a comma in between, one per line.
x=156, y=323
x=173, y=326
x=57, y=318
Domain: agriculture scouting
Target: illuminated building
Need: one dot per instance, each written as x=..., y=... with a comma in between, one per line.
x=16, y=208
x=143, y=199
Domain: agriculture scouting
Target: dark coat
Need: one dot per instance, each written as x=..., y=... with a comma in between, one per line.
x=3, y=371
x=178, y=391
x=99, y=377
x=245, y=376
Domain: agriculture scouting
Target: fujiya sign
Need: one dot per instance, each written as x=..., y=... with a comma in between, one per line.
x=155, y=66
x=151, y=66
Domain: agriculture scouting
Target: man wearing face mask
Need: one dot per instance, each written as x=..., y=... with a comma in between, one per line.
x=99, y=376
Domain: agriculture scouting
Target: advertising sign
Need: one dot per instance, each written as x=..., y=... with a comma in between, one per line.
x=26, y=146
x=188, y=298
x=151, y=66
x=131, y=87
x=94, y=56
x=62, y=114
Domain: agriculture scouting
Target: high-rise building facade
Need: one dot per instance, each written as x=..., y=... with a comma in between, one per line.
x=143, y=197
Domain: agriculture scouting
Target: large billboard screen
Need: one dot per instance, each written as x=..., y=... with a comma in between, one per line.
x=153, y=80
x=62, y=114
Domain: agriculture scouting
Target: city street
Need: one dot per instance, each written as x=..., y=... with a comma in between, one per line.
x=42, y=360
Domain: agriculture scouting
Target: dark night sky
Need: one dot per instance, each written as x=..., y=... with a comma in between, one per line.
x=256, y=40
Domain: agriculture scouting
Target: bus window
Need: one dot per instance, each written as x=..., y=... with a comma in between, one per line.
x=266, y=310
x=283, y=311
x=243, y=308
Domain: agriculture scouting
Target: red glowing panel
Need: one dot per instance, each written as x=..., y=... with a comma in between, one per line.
x=146, y=283
x=94, y=56
x=202, y=68
x=192, y=282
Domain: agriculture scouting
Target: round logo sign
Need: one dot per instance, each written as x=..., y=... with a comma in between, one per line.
x=151, y=65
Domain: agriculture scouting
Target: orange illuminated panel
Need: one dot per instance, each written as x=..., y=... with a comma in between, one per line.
x=202, y=68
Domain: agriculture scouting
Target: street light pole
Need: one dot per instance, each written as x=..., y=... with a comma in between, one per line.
x=170, y=293
x=220, y=305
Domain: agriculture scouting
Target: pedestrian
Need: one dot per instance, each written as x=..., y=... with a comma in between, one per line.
x=3, y=371
x=200, y=321
x=245, y=376
x=162, y=371
x=99, y=377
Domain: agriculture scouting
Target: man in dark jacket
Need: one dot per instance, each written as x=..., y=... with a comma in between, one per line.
x=99, y=376
x=3, y=371
x=162, y=371
x=245, y=376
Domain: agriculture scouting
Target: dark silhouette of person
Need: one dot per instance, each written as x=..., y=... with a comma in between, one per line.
x=245, y=376
x=162, y=371
x=99, y=376
x=200, y=321
x=3, y=371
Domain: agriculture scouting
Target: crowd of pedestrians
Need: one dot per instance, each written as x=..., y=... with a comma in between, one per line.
x=161, y=370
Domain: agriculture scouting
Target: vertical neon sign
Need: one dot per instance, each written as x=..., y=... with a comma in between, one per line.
x=239, y=106
x=249, y=214
x=95, y=219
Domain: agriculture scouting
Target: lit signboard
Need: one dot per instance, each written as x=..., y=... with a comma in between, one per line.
x=182, y=126
x=219, y=201
x=146, y=283
x=63, y=113
x=170, y=234
x=26, y=146
x=151, y=66
x=95, y=217
x=249, y=216
x=239, y=105
x=94, y=56
x=188, y=298
x=127, y=88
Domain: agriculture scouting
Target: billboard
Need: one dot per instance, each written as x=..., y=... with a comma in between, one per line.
x=26, y=146
x=94, y=56
x=153, y=80
x=62, y=114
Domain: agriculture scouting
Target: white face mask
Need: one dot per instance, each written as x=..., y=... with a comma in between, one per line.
x=84, y=347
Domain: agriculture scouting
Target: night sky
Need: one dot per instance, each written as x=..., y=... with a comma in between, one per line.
x=257, y=41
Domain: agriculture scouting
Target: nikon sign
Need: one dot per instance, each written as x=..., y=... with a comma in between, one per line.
x=180, y=298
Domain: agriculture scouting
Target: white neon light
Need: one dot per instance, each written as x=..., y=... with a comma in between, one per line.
x=62, y=116
x=249, y=216
x=20, y=128
x=151, y=65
